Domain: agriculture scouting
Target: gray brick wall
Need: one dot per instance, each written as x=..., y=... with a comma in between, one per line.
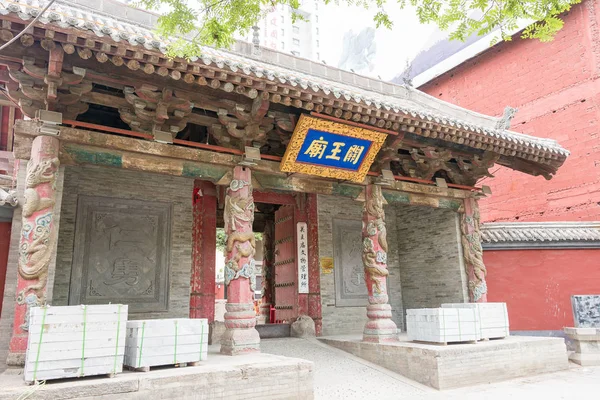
x=431, y=262
x=344, y=320
x=125, y=184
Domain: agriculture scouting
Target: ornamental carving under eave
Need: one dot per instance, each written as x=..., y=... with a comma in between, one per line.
x=34, y=87
x=473, y=251
x=153, y=109
x=430, y=162
x=244, y=128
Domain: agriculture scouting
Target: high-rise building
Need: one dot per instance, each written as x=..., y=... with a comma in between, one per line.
x=301, y=37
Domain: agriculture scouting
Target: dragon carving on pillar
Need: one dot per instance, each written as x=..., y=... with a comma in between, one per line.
x=472, y=251
x=374, y=261
x=379, y=327
x=38, y=236
x=241, y=243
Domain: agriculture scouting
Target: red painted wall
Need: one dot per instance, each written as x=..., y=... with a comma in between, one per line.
x=555, y=85
x=537, y=284
x=4, y=245
x=556, y=88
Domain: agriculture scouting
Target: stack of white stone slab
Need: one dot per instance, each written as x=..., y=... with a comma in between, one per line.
x=165, y=342
x=75, y=341
x=492, y=317
x=442, y=325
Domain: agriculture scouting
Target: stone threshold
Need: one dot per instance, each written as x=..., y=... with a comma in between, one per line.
x=251, y=376
x=458, y=365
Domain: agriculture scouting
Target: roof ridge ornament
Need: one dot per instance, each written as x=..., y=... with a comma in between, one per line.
x=256, y=51
x=504, y=121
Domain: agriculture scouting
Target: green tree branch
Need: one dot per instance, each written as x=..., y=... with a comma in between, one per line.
x=214, y=23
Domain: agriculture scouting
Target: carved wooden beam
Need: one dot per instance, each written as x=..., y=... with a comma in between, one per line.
x=428, y=161
x=34, y=87
x=425, y=162
x=251, y=126
x=152, y=108
x=126, y=152
x=388, y=152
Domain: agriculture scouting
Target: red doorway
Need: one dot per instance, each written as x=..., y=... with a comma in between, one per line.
x=297, y=208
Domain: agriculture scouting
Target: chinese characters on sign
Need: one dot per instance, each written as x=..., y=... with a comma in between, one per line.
x=331, y=149
x=302, y=235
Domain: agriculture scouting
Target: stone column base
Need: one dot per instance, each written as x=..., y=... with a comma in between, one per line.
x=380, y=328
x=15, y=360
x=587, y=345
x=240, y=336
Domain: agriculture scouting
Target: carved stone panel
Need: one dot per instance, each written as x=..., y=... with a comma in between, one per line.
x=586, y=311
x=121, y=253
x=350, y=287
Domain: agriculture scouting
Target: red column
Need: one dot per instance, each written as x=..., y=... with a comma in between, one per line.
x=204, y=239
x=240, y=335
x=267, y=271
x=380, y=327
x=472, y=251
x=4, y=246
x=38, y=239
x=314, y=267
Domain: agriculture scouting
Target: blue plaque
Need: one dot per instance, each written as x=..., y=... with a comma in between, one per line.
x=331, y=149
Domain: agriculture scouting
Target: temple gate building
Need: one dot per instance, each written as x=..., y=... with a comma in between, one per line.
x=365, y=192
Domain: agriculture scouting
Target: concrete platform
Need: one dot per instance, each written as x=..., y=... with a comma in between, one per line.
x=460, y=365
x=253, y=376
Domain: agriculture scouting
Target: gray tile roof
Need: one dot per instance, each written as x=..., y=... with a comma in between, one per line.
x=540, y=234
x=437, y=53
x=121, y=23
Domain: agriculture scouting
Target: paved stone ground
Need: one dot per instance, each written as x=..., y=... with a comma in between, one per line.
x=340, y=375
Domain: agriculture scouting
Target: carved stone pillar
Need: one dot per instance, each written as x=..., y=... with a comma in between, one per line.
x=38, y=239
x=241, y=335
x=380, y=327
x=473, y=252
x=267, y=272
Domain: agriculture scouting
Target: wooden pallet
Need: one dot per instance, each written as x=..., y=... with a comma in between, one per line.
x=149, y=368
x=445, y=343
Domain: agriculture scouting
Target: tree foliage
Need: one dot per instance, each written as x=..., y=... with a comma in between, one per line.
x=214, y=22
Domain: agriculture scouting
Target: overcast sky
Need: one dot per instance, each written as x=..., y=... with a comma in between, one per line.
x=394, y=47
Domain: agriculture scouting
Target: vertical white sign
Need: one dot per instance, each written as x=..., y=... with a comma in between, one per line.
x=302, y=242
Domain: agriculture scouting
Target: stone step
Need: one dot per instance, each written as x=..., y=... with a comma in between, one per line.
x=272, y=331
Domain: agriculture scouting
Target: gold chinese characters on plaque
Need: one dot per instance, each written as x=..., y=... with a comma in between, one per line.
x=331, y=149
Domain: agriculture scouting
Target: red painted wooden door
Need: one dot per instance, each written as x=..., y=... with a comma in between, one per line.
x=286, y=291
x=4, y=245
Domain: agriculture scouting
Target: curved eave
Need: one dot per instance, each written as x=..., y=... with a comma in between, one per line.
x=382, y=104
